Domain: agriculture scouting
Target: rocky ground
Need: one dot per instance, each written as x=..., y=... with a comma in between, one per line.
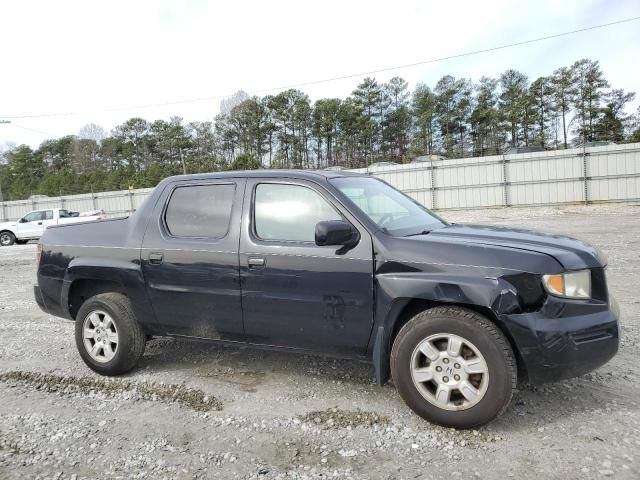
x=196, y=410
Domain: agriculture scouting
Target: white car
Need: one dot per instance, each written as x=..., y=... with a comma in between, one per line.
x=33, y=224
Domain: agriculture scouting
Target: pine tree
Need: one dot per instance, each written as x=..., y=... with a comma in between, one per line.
x=589, y=84
x=423, y=105
x=563, y=94
x=513, y=104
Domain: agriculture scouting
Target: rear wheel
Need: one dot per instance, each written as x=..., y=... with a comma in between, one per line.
x=7, y=238
x=453, y=367
x=108, y=337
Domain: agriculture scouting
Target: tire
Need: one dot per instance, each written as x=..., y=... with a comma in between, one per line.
x=423, y=379
x=7, y=239
x=103, y=316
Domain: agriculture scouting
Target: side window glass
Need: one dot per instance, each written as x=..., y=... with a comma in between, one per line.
x=202, y=211
x=48, y=215
x=289, y=212
x=33, y=216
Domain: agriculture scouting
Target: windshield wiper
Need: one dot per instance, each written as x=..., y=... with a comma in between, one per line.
x=424, y=232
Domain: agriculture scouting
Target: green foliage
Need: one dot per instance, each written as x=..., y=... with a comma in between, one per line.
x=377, y=122
x=245, y=161
x=589, y=84
x=612, y=122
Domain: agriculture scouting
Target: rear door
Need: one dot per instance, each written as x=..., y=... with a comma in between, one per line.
x=190, y=259
x=48, y=219
x=295, y=293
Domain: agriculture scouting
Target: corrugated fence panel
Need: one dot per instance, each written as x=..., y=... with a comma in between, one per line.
x=476, y=197
x=614, y=175
x=14, y=210
x=416, y=182
x=598, y=174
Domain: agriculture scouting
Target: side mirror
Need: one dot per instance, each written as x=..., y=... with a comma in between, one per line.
x=336, y=232
x=22, y=220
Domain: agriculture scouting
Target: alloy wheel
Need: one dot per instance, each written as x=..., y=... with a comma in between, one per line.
x=100, y=336
x=449, y=371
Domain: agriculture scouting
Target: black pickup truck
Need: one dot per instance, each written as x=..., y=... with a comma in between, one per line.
x=339, y=264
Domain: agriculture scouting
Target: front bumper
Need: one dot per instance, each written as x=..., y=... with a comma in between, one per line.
x=565, y=339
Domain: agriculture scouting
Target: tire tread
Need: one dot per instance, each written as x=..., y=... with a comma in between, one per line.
x=473, y=317
x=127, y=323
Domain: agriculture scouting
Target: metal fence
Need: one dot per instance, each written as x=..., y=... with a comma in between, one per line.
x=117, y=203
x=584, y=175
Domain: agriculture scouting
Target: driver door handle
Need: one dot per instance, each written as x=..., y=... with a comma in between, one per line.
x=256, y=262
x=155, y=258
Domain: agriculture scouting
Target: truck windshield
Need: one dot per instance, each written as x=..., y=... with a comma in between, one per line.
x=394, y=212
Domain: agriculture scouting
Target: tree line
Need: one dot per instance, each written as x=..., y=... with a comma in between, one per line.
x=457, y=117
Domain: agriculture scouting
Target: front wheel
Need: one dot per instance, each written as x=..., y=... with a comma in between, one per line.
x=7, y=239
x=453, y=367
x=108, y=337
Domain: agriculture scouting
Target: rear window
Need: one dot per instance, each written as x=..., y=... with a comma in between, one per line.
x=202, y=211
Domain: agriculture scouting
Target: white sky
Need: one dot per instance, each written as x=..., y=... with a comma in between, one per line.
x=89, y=56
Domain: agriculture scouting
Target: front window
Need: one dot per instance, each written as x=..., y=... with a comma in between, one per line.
x=32, y=217
x=289, y=213
x=394, y=212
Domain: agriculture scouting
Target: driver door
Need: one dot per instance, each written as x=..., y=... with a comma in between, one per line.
x=31, y=225
x=294, y=292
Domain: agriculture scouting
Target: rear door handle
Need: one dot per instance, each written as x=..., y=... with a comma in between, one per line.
x=155, y=258
x=256, y=262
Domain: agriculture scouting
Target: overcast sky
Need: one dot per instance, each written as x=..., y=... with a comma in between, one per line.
x=99, y=58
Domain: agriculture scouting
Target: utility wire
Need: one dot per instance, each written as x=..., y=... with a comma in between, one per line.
x=12, y=124
x=341, y=77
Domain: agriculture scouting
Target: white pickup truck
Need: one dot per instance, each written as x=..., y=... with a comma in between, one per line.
x=33, y=224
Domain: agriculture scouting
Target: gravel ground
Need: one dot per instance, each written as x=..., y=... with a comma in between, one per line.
x=196, y=410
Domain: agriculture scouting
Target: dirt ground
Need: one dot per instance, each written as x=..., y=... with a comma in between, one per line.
x=197, y=410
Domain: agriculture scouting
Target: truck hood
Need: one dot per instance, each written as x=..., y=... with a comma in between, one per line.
x=571, y=253
x=8, y=225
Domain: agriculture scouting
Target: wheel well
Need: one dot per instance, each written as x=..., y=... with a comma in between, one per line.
x=416, y=306
x=7, y=231
x=81, y=290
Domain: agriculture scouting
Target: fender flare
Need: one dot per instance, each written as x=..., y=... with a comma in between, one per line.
x=395, y=291
x=125, y=273
x=10, y=231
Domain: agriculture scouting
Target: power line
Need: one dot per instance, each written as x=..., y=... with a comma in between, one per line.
x=458, y=55
x=337, y=78
x=12, y=124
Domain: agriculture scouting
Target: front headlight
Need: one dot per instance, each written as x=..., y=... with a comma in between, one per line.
x=570, y=284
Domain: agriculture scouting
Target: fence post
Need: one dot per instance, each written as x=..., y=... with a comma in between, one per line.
x=4, y=211
x=434, y=187
x=505, y=181
x=131, y=200
x=93, y=201
x=585, y=176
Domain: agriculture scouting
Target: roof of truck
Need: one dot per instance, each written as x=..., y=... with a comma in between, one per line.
x=287, y=173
